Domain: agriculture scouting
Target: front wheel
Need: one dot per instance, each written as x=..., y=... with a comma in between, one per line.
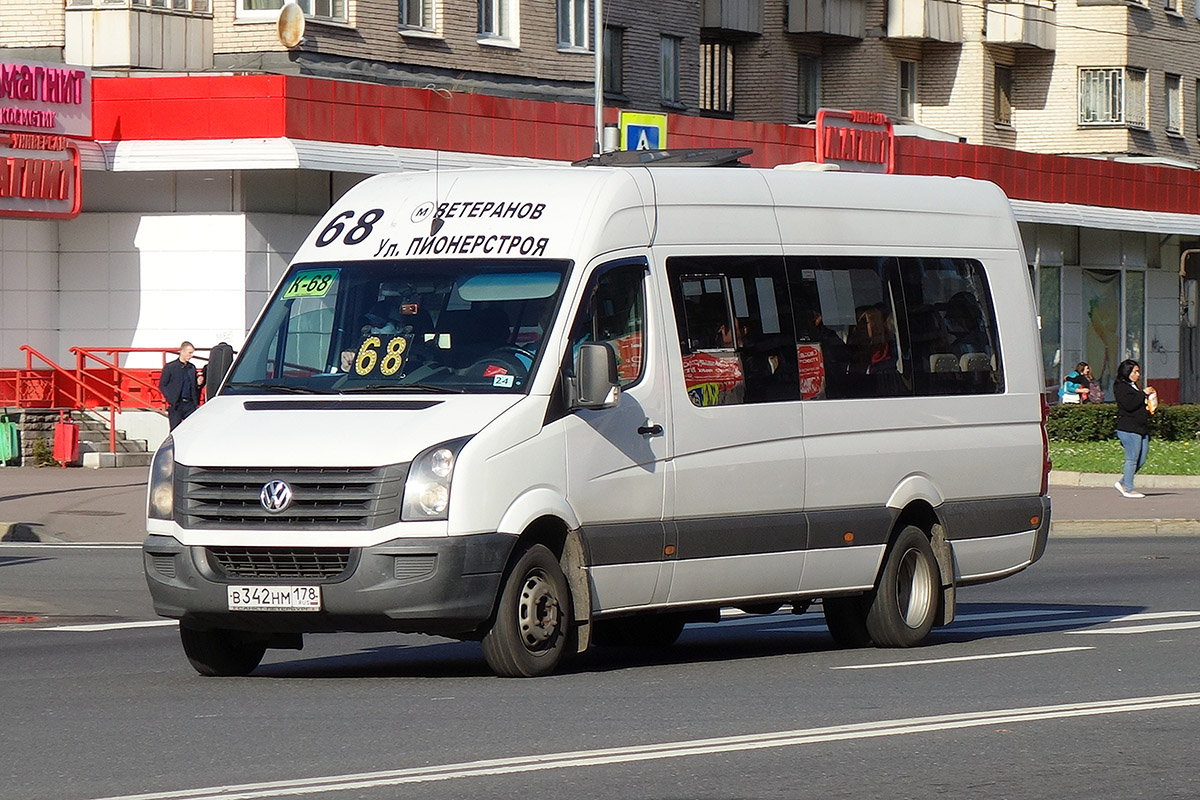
x=529, y=634
x=906, y=601
x=221, y=653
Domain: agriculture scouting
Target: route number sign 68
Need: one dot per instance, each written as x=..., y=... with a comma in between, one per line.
x=373, y=353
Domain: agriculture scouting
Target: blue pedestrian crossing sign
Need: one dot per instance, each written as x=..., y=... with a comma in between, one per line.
x=643, y=131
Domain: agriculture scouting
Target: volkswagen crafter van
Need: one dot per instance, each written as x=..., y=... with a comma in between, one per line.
x=554, y=407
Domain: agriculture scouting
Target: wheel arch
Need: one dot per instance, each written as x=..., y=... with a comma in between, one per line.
x=920, y=513
x=563, y=540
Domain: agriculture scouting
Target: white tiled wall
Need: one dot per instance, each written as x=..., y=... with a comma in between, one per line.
x=192, y=275
x=138, y=280
x=143, y=280
x=28, y=287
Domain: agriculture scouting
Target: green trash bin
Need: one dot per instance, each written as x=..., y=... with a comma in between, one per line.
x=10, y=449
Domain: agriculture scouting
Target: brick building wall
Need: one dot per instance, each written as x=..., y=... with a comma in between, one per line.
x=372, y=36
x=31, y=24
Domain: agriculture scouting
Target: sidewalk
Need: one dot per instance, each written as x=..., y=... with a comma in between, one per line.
x=52, y=504
x=109, y=505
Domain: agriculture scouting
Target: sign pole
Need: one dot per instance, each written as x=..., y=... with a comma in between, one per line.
x=598, y=47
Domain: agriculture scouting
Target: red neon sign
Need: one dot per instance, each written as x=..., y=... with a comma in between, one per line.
x=860, y=141
x=39, y=177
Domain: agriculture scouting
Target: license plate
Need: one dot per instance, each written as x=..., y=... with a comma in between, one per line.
x=274, y=598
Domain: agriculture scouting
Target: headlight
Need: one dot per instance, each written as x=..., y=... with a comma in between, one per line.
x=162, y=482
x=427, y=488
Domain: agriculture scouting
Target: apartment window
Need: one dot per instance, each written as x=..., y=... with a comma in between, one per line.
x=573, y=23
x=1112, y=96
x=614, y=60
x=1003, y=95
x=1174, y=94
x=716, y=77
x=808, y=87
x=1172, y=7
x=495, y=19
x=908, y=90
x=247, y=8
x=668, y=67
x=417, y=14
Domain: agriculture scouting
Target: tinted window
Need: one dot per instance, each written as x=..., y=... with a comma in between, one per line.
x=736, y=331
x=952, y=325
x=755, y=329
x=849, y=319
x=614, y=311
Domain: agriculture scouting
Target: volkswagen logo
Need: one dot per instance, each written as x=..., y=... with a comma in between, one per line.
x=275, y=496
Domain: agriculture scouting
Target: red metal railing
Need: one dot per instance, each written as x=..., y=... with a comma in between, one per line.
x=98, y=382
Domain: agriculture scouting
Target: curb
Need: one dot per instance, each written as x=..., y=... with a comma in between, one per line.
x=1125, y=527
x=1099, y=480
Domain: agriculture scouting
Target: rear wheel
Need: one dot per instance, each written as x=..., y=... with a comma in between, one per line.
x=221, y=653
x=529, y=634
x=902, y=608
x=906, y=600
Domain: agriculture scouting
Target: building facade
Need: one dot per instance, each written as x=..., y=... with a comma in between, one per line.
x=215, y=145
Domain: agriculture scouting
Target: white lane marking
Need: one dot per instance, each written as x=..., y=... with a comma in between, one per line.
x=1176, y=626
x=656, y=752
x=982, y=657
x=815, y=623
x=111, y=626
x=1069, y=621
x=70, y=545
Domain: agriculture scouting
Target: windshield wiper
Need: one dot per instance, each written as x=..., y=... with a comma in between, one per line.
x=400, y=387
x=275, y=387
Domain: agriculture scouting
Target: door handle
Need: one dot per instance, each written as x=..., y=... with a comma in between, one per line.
x=651, y=430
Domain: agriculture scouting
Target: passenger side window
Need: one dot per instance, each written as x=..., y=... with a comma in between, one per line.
x=736, y=332
x=849, y=319
x=614, y=311
x=955, y=349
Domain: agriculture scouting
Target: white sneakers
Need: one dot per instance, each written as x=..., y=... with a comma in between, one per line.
x=1124, y=493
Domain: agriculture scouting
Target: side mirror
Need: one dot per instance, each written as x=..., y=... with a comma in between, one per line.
x=595, y=384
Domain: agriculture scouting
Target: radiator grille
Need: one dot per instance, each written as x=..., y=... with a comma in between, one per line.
x=268, y=562
x=322, y=498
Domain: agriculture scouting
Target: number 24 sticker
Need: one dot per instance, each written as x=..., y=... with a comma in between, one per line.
x=368, y=355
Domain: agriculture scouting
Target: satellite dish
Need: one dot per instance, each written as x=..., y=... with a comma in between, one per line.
x=290, y=25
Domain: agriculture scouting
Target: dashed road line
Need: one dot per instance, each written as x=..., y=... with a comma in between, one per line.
x=954, y=659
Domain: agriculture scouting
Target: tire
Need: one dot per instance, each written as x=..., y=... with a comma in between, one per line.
x=529, y=632
x=646, y=630
x=846, y=618
x=221, y=653
x=906, y=599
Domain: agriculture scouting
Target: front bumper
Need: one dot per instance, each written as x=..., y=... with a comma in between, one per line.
x=443, y=586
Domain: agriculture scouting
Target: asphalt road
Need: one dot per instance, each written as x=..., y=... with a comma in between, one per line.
x=1077, y=678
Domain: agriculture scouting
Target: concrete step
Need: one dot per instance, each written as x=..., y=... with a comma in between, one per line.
x=100, y=435
x=98, y=460
x=123, y=446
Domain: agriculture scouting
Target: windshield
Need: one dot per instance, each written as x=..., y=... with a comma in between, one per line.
x=461, y=326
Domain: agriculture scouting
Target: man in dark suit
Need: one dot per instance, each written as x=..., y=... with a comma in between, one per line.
x=180, y=385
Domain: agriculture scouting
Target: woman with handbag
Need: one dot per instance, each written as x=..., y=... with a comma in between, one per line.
x=1133, y=421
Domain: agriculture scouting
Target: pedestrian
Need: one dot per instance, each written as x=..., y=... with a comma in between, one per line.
x=180, y=385
x=1077, y=385
x=1133, y=422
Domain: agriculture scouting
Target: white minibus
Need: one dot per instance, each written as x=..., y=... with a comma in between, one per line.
x=551, y=408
